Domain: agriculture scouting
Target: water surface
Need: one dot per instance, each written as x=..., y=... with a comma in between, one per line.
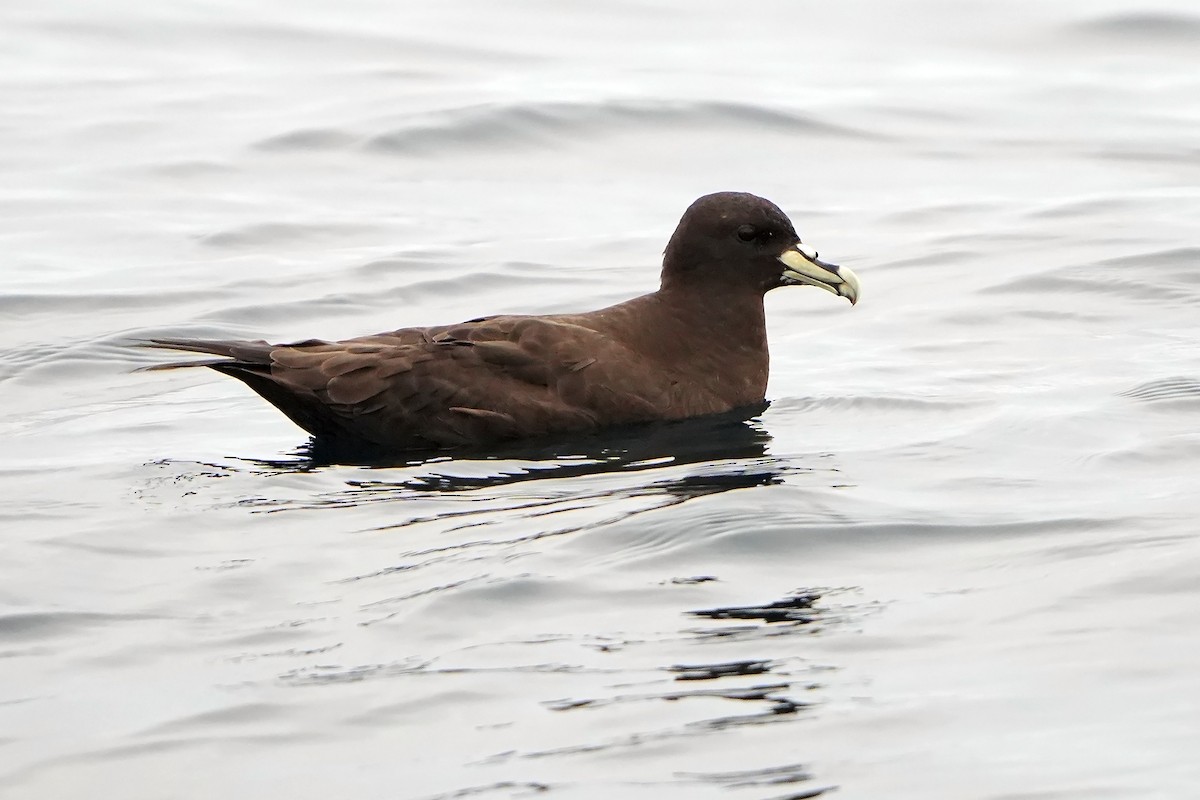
x=955, y=557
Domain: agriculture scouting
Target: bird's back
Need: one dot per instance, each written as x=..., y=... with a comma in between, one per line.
x=475, y=382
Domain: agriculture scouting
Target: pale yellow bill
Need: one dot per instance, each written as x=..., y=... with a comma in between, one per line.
x=803, y=267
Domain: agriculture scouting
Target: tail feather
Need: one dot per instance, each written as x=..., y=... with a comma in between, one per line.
x=250, y=363
x=215, y=363
x=256, y=352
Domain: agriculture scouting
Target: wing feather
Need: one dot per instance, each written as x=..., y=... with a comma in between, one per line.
x=491, y=379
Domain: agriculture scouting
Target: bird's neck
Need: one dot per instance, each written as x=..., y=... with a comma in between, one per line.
x=720, y=335
x=735, y=317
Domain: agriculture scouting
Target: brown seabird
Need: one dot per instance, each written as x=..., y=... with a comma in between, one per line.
x=697, y=346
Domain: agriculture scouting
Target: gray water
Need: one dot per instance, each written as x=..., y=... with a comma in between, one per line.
x=957, y=557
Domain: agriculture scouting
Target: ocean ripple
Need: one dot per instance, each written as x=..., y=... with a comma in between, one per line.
x=1166, y=389
x=1149, y=27
x=512, y=125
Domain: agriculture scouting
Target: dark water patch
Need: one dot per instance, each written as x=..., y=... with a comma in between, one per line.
x=799, y=613
x=539, y=124
x=805, y=795
x=1144, y=27
x=1165, y=390
x=643, y=738
x=708, y=672
x=772, y=715
x=693, y=580
x=683, y=488
x=797, y=609
x=324, y=674
x=510, y=788
x=272, y=234
x=737, y=434
x=767, y=776
x=769, y=693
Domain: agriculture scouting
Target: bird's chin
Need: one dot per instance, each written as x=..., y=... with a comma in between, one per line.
x=801, y=267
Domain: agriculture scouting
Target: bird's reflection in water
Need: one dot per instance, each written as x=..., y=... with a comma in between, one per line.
x=720, y=453
x=737, y=435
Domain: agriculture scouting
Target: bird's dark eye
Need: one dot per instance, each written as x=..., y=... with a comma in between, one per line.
x=747, y=233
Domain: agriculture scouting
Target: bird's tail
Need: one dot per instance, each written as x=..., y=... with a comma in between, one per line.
x=251, y=356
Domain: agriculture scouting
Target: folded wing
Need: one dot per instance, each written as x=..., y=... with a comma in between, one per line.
x=485, y=380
